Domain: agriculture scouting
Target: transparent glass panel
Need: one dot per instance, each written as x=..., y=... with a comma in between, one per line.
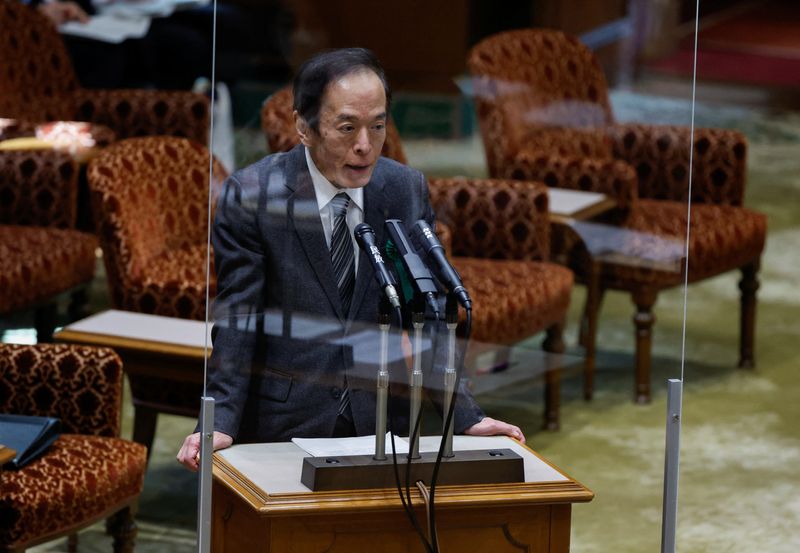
x=738, y=435
x=104, y=180
x=557, y=168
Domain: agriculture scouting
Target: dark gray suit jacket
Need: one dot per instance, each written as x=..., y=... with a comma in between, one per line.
x=282, y=346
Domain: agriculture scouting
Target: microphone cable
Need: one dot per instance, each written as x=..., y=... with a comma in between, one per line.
x=448, y=422
x=405, y=500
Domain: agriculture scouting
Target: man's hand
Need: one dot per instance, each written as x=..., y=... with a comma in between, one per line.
x=189, y=455
x=62, y=12
x=491, y=427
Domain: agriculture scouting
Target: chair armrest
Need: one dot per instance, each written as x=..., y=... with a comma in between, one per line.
x=38, y=187
x=660, y=155
x=493, y=218
x=146, y=112
x=614, y=178
x=80, y=385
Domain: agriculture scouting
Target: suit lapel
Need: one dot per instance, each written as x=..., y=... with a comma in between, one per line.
x=303, y=214
x=374, y=202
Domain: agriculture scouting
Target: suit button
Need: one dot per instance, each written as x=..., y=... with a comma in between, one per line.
x=336, y=392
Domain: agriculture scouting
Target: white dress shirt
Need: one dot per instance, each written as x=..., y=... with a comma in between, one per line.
x=325, y=191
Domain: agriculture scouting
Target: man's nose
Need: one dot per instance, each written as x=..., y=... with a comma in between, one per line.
x=362, y=145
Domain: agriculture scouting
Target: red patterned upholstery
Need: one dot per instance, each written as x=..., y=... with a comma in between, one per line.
x=88, y=473
x=545, y=115
x=37, y=263
x=151, y=197
x=38, y=187
x=80, y=385
x=277, y=122
x=514, y=299
x=37, y=83
x=501, y=251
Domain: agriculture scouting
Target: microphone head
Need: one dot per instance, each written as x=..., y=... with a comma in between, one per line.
x=362, y=228
x=423, y=237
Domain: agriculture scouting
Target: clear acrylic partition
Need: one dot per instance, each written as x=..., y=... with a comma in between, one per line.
x=739, y=435
x=558, y=165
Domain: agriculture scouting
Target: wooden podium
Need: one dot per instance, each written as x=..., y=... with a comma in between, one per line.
x=259, y=505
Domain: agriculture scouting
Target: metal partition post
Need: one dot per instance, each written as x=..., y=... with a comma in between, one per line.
x=672, y=458
x=204, y=481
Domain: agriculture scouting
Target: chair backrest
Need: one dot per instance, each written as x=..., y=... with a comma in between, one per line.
x=277, y=123
x=38, y=187
x=150, y=195
x=493, y=218
x=80, y=385
x=534, y=78
x=36, y=74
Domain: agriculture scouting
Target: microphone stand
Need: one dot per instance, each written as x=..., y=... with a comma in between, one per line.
x=451, y=321
x=384, y=320
x=415, y=392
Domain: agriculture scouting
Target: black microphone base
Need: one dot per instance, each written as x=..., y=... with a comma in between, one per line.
x=356, y=472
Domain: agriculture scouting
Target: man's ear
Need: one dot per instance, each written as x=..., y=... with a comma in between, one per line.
x=303, y=130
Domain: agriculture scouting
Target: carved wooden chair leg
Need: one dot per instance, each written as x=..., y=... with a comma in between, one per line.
x=123, y=529
x=72, y=543
x=644, y=298
x=748, y=286
x=553, y=344
x=45, y=318
x=588, y=331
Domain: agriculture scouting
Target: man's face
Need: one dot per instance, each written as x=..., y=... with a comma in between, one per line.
x=352, y=129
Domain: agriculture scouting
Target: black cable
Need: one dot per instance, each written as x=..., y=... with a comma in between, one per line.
x=415, y=432
x=412, y=517
x=448, y=421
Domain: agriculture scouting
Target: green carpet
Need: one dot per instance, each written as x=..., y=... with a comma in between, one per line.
x=740, y=448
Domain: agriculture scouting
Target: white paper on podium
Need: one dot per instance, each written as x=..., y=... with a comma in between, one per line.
x=338, y=447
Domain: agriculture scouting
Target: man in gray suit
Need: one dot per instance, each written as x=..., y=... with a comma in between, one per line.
x=293, y=296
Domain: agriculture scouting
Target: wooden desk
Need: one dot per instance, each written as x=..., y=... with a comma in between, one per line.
x=259, y=505
x=162, y=356
x=566, y=205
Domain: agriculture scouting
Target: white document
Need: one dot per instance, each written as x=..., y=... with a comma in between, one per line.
x=338, y=447
x=151, y=8
x=107, y=28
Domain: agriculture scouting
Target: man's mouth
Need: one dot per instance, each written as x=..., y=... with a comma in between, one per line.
x=358, y=168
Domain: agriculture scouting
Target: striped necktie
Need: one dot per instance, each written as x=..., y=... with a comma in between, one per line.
x=343, y=260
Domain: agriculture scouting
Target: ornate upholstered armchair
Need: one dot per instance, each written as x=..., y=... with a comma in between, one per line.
x=545, y=115
x=39, y=84
x=501, y=249
x=41, y=255
x=150, y=196
x=89, y=473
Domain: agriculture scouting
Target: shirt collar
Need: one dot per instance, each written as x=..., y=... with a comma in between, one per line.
x=325, y=191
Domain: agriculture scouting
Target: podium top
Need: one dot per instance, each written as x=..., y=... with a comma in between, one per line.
x=268, y=477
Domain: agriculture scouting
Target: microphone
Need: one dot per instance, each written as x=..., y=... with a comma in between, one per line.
x=424, y=239
x=415, y=267
x=365, y=237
